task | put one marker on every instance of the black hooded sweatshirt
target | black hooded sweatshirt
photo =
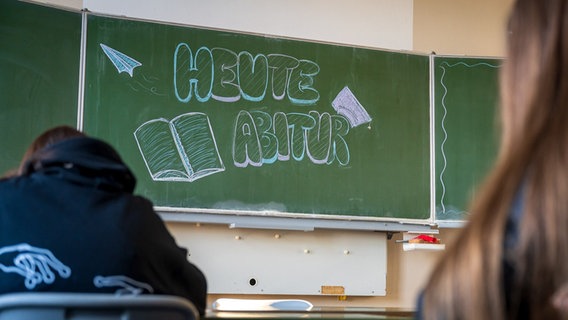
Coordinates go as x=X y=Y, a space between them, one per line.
x=70 y=223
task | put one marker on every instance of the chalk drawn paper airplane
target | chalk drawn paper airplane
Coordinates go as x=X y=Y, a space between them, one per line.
x=122 y=62
x=347 y=105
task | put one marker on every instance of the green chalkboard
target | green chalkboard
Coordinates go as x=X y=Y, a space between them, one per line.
x=466 y=137
x=39 y=74
x=220 y=120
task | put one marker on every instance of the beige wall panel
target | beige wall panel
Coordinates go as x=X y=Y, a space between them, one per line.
x=461 y=27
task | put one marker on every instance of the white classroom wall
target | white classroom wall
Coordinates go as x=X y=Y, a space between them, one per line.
x=373 y=23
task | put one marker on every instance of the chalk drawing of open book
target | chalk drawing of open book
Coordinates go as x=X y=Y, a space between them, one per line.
x=183 y=149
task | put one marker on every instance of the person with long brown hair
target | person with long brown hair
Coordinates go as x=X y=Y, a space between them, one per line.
x=512 y=256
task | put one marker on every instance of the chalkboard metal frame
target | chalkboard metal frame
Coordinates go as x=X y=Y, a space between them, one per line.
x=296 y=222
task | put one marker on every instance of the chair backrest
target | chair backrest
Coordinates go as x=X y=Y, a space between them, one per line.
x=94 y=306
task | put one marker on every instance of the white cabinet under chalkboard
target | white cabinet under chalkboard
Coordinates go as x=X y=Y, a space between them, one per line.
x=320 y=262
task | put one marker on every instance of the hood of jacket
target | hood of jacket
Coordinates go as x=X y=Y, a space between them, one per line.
x=92 y=160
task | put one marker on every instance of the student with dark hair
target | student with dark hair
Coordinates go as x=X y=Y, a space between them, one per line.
x=511 y=260
x=48 y=138
x=69 y=222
